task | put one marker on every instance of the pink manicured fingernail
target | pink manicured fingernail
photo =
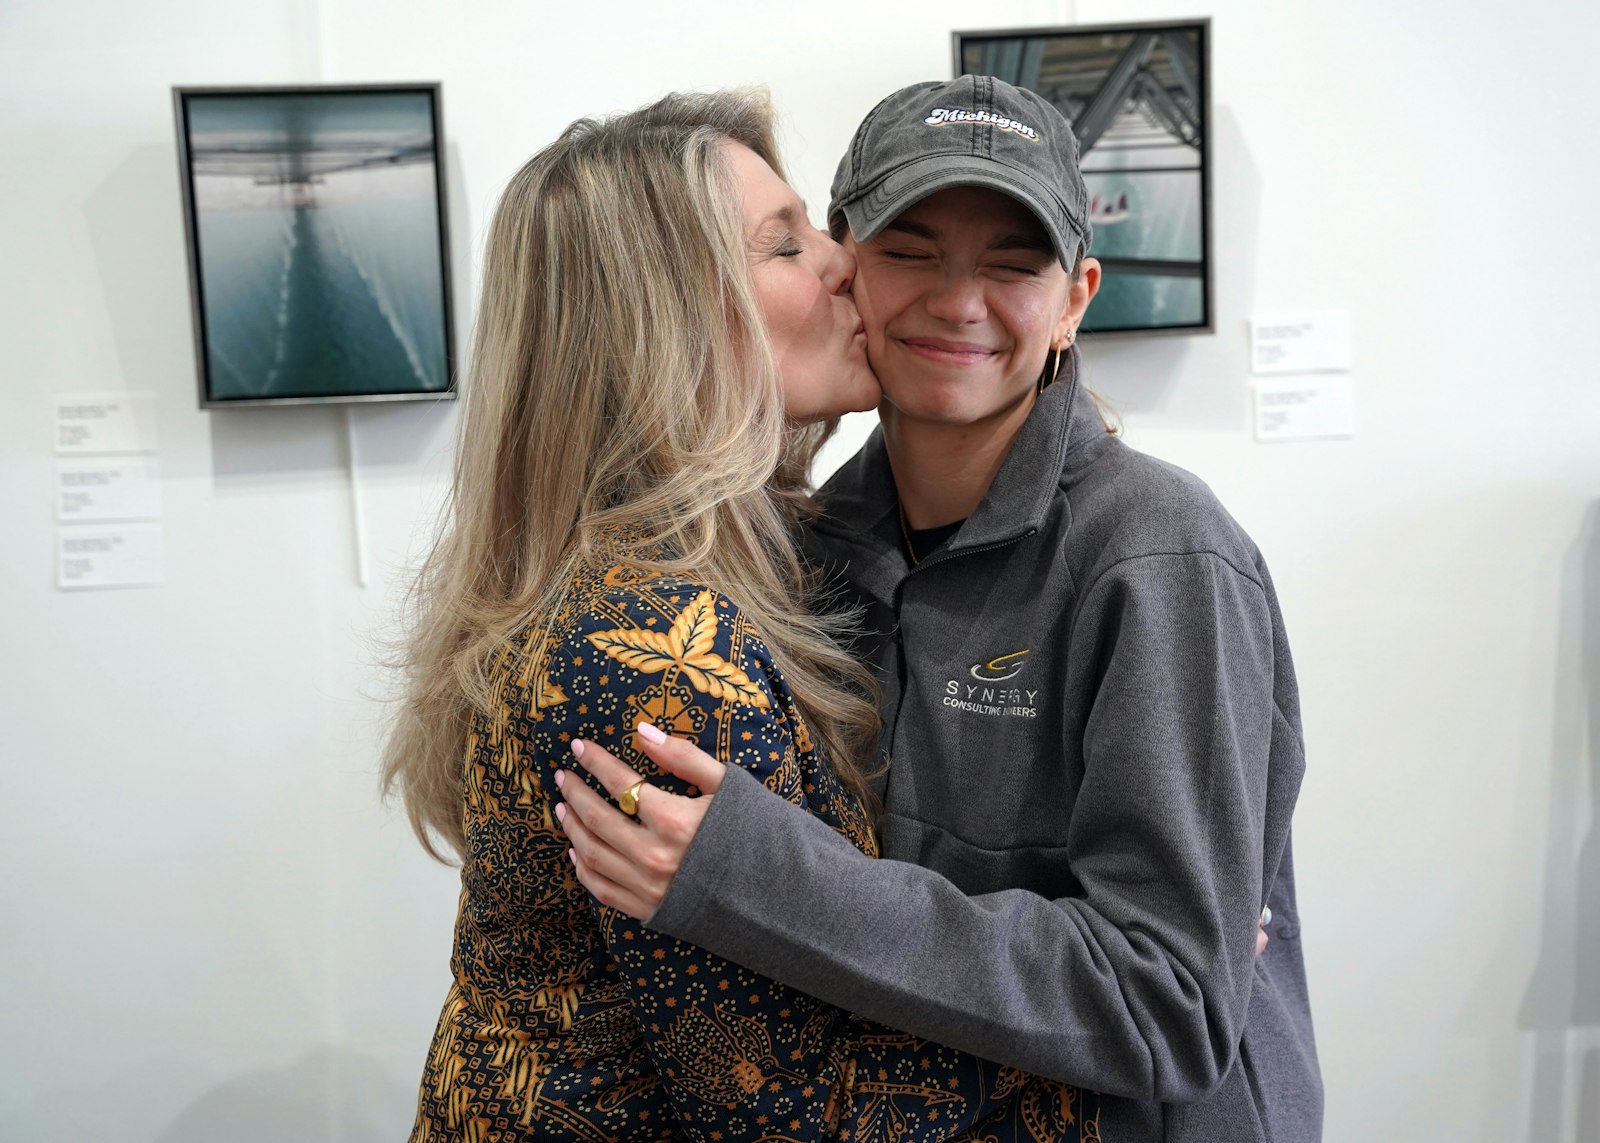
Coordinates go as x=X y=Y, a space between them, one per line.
x=650 y=733
x=572 y=856
x=561 y=813
x=577 y=748
x=561 y=776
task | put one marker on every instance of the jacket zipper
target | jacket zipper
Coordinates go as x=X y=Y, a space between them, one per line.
x=997 y=545
x=899 y=643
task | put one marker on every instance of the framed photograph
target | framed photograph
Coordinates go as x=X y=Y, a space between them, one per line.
x=1138 y=99
x=318 y=255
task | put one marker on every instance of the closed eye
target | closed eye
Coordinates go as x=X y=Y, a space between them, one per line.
x=784 y=244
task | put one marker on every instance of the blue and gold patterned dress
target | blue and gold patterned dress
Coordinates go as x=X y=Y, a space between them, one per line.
x=571 y=1021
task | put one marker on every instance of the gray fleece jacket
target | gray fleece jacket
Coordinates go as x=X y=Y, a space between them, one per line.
x=1095 y=749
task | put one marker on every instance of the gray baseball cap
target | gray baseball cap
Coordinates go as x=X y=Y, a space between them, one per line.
x=971 y=131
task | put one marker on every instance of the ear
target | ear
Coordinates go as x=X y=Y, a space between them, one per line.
x=1079 y=297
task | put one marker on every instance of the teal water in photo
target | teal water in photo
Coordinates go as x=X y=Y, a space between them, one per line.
x=1142 y=301
x=1162 y=222
x=324 y=300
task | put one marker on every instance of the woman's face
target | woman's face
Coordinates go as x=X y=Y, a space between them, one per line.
x=803 y=279
x=963 y=297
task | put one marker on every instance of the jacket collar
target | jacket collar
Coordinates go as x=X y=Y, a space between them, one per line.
x=861 y=506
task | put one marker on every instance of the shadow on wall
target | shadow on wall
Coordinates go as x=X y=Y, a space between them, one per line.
x=284 y=444
x=331 y=1094
x=1561 y=1006
x=134 y=221
x=1160 y=377
x=1589 y=1098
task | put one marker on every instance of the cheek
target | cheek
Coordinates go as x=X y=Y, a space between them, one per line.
x=871 y=304
x=1050 y=308
x=1030 y=320
x=798 y=315
x=819 y=324
x=870 y=296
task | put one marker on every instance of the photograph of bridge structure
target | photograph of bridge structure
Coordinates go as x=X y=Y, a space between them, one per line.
x=1136 y=96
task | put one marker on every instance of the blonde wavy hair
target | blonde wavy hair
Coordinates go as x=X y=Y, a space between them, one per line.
x=621 y=384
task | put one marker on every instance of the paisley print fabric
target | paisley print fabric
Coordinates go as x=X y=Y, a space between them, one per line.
x=570 y=1021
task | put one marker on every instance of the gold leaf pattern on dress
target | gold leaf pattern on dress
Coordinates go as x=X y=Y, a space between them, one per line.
x=645 y=651
x=695 y=629
x=569 y=1022
x=548 y=695
x=688 y=647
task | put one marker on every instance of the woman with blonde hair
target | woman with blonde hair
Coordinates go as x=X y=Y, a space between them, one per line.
x=662 y=344
x=1087 y=685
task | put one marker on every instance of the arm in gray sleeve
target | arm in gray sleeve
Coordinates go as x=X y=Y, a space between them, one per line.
x=1136 y=986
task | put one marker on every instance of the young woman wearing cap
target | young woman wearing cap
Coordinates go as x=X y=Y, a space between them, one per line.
x=662 y=336
x=1087 y=691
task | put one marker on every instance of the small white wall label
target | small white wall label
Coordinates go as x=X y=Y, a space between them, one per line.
x=107 y=488
x=1305 y=409
x=110 y=555
x=1317 y=342
x=105 y=422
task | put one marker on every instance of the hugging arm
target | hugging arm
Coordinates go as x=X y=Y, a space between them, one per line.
x=740 y=1056
x=1136 y=986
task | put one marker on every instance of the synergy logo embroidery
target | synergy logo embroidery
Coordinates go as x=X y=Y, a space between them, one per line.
x=944 y=116
x=994 y=701
x=1000 y=668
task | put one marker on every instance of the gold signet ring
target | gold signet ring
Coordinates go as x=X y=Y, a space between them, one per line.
x=628 y=800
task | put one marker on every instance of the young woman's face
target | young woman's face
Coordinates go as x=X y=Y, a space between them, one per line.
x=963 y=298
x=803 y=279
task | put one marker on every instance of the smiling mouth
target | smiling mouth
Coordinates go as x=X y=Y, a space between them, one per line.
x=948 y=352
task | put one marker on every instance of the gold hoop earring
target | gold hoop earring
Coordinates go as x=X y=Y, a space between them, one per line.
x=1052 y=367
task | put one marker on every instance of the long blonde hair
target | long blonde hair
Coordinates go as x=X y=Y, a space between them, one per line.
x=621 y=384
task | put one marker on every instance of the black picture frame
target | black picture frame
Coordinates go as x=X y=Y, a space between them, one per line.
x=1139 y=99
x=318 y=243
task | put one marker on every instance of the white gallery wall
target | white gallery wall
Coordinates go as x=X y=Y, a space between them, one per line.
x=210 y=929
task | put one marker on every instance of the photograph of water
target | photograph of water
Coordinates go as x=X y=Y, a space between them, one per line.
x=315 y=225
x=1136 y=100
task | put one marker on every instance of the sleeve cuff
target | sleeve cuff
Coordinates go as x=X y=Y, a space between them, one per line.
x=715 y=850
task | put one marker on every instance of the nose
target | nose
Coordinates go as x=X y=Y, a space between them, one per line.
x=839 y=270
x=957 y=299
